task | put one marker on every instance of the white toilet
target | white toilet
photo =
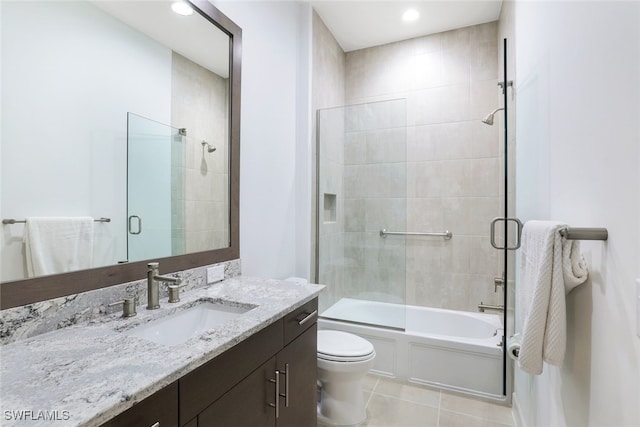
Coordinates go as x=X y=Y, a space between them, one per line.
x=343 y=359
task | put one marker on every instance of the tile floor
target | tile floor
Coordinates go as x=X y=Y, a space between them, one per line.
x=391 y=404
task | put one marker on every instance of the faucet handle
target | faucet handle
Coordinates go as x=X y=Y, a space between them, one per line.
x=174 y=291
x=128 y=306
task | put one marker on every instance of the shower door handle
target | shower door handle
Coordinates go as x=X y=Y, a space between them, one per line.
x=131 y=224
x=518 y=234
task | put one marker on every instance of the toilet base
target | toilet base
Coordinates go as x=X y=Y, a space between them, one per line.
x=342 y=404
x=324 y=421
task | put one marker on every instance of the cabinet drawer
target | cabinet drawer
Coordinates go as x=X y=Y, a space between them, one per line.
x=159 y=409
x=300 y=320
x=206 y=384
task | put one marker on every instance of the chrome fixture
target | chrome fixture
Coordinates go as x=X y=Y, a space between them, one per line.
x=210 y=148
x=182 y=131
x=571 y=233
x=128 y=307
x=174 y=293
x=520 y=226
x=489 y=119
x=23 y=221
x=445 y=234
x=509 y=84
x=498 y=282
x=130 y=222
x=482 y=307
x=153 y=279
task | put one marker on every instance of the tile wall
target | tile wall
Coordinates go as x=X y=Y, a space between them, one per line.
x=328 y=91
x=451 y=179
x=206 y=187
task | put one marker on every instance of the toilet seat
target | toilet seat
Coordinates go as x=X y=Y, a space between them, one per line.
x=338 y=346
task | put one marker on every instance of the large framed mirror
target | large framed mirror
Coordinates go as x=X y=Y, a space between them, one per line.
x=127 y=113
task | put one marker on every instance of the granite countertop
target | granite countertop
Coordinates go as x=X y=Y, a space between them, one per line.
x=86 y=374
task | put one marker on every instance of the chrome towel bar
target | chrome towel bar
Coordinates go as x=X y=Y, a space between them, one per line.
x=446 y=234
x=18 y=221
x=573 y=233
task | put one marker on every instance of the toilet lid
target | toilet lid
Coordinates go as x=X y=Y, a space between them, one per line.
x=334 y=345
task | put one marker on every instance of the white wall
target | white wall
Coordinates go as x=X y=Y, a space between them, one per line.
x=70 y=74
x=274 y=180
x=578 y=139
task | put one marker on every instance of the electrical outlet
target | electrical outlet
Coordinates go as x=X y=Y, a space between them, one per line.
x=215 y=274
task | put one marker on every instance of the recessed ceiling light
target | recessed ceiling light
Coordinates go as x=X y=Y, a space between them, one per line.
x=410 y=15
x=181 y=8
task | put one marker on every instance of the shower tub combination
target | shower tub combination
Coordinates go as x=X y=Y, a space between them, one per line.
x=449 y=349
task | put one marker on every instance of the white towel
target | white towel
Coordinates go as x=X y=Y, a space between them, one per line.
x=549 y=269
x=58 y=244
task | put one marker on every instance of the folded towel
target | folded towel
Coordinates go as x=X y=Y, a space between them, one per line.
x=57 y=245
x=549 y=269
x=574 y=266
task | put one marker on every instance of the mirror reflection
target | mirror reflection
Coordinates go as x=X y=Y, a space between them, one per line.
x=114 y=110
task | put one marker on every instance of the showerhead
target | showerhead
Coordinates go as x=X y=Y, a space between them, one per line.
x=210 y=148
x=489 y=119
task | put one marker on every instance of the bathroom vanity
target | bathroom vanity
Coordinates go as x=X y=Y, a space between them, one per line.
x=241 y=386
x=257 y=369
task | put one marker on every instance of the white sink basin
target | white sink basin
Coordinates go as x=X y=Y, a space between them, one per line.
x=179 y=327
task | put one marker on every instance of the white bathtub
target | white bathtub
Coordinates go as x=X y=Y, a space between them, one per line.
x=449 y=349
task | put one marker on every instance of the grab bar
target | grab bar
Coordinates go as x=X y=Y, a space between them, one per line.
x=572 y=233
x=482 y=307
x=23 y=221
x=447 y=235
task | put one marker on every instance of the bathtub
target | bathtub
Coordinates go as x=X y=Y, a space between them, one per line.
x=448 y=349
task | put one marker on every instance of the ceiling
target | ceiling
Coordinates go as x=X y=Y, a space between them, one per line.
x=361 y=24
x=191 y=36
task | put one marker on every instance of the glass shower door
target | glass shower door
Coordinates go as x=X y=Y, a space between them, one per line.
x=155 y=189
x=361 y=190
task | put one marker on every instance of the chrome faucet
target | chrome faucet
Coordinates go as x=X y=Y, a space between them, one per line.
x=153 y=284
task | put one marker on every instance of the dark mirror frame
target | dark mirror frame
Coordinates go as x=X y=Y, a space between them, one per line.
x=27 y=291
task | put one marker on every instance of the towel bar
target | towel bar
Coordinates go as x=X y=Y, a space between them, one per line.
x=17 y=221
x=572 y=233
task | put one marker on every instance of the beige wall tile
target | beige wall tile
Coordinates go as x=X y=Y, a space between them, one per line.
x=452 y=173
x=421 y=143
x=383 y=213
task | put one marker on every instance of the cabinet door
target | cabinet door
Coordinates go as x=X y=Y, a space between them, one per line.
x=299 y=360
x=206 y=384
x=159 y=409
x=247 y=404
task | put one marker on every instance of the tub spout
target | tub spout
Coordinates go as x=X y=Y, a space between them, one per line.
x=482 y=307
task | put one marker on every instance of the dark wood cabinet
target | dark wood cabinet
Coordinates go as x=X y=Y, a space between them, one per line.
x=206 y=384
x=159 y=409
x=298 y=360
x=238 y=387
x=246 y=404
